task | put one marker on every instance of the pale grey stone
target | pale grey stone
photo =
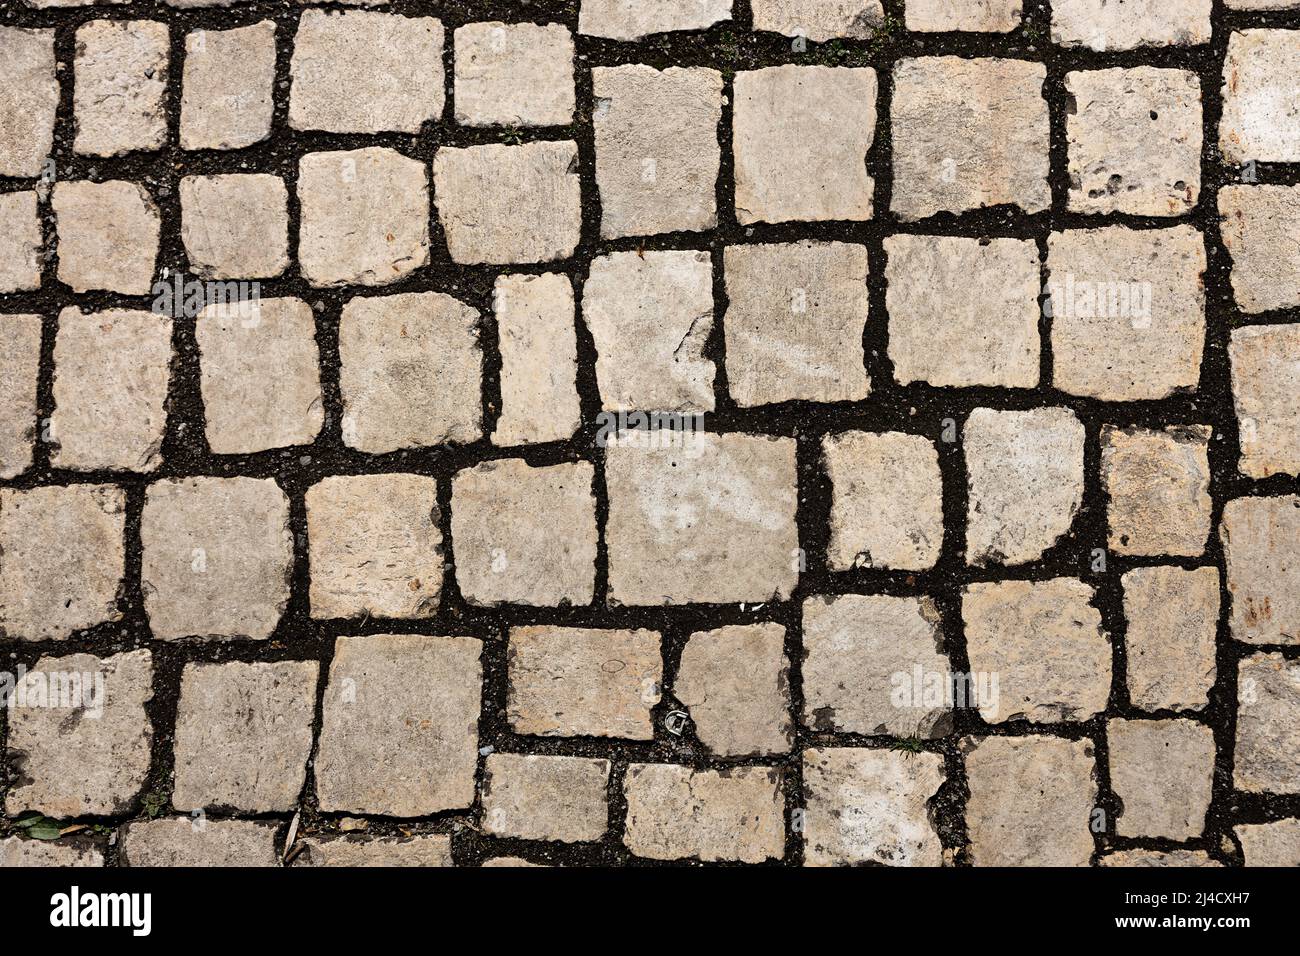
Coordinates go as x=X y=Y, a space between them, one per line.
x=1261 y=97
x=820 y=20
x=20 y=242
x=970 y=16
x=1158 y=489
x=226 y=87
x=17 y=852
x=1270 y=844
x=235 y=226
x=182 y=841
x=1157 y=858
x=1172 y=616
x=119 y=98
x=29 y=98
x=20 y=355
x=108 y=236
x=634 y=19
x=514 y=74
x=432 y=850
x=1265 y=383
x=1261 y=545
x=1266 y=758
x=1104 y=25
x=1257 y=221
x=532 y=797
x=1163 y=772
x=538 y=342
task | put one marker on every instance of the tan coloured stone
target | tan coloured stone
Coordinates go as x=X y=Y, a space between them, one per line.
x=1103 y=25
x=819 y=20
x=1157 y=858
x=634 y=19
x=29 y=98
x=1261 y=545
x=1158 y=483
x=1173 y=616
x=538 y=342
x=545 y=798
x=226 y=88
x=20 y=355
x=511 y=862
x=514 y=74
x=1163 y=772
x=20 y=242
x=734 y=683
x=108 y=236
x=1270 y=844
x=971 y=16
x=1265 y=383
x=181 y=841
x=1261 y=97
x=1257 y=221
x=1266 y=758
x=235 y=227
x=433 y=850
x=119 y=97
x=17 y=852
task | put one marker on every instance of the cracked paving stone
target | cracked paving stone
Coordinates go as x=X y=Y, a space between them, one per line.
x=120 y=88
x=432 y=850
x=108 y=236
x=20 y=354
x=1102 y=25
x=1158 y=483
x=29 y=98
x=1270 y=844
x=1265 y=382
x=1266 y=758
x=236 y=226
x=819 y=20
x=182 y=841
x=1172 y=616
x=227 y=87
x=635 y=19
x=20 y=242
x=1261 y=546
x=514 y=74
x=1163 y=772
x=534 y=797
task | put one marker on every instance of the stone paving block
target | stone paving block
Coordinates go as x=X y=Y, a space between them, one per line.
x=969 y=16
x=18 y=852
x=545 y=798
x=181 y=841
x=870 y=807
x=119 y=428
x=867 y=663
x=1270 y=844
x=963 y=311
x=1266 y=758
x=365 y=216
x=819 y=20
x=1261 y=545
x=514 y=74
x=399 y=736
x=1163 y=772
x=108 y=236
x=634 y=19
x=969 y=133
x=1172 y=616
x=1261 y=97
x=502 y=204
x=1101 y=25
x=1044 y=641
x=84 y=748
x=711 y=521
x=227 y=86
x=357 y=71
x=1128 y=311
x=218 y=555
x=20 y=354
x=48 y=593
x=511 y=862
x=411 y=371
x=650 y=315
x=676 y=813
x=244 y=734
x=20 y=242
x=29 y=98
x=375 y=546
x=1265 y=382
x=433 y=850
x=1256 y=222
x=801 y=136
x=576 y=682
x=737 y=711
x=120 y=89
x=524 y=535
x=1158 y=483
x=1031 y=801
x=235 y=227
x=1152 y=858
x=538 y=342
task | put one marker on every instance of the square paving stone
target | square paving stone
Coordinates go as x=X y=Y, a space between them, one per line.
x=545 y=798
x=1261 y=545
x=108 y=236
x=1257 y=221
x=969 y=16
x=1261 y=97
x=235 y=227
x=632 y=19
x=1163 y=772
x=1158 y=484
x=539 y=359
x=423 y=851
x=29 y=98
x=20 y=356
x=120 y=89
x=183 y=841
x=227 y=87
x=818 y=20
x=514 y=74
x=1266 y=758
x=1265 y=383
x=1270 y=844
x=20 y=242
x=1102 y=25
x=1173 y=616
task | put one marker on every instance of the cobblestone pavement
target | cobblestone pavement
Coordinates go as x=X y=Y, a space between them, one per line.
x=802 y=432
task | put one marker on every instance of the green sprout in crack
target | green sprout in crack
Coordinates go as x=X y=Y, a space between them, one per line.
x=154 y=804
x=890 y=29
x=511 y=136
x=908 y=746
x=39 y=827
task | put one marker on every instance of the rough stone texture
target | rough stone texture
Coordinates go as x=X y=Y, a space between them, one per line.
x=575 y=682
x=1261 y=97
x=1162 y=771
x=650 y=315
x=1261 y=545
x=634 y=19
x=969 y=133
x=218 y=554
x=1025 y=476
x=20 y=242
x=1158 y=483
x=433 y=850
x=376 y=550
x=226 y=87
x=511 y=862
x=713 y=521
x=1128 y=311
x=886 y=501
x=20 y=353
x=365 y=216
x=1045 y=642
x=357 y=71
x=72 y=763
x=1266 y=758
x=524 y=535
x=963 y=311
x=1265 y=383
x=108 y=236
x=182 y=841
x=539 y=359
x=517 y=74
x=1270 y=844
x=119 y=428
x=243 y=735
x=675 y=813
x=870 y=807
x=411 y=369
x=1257 y=221
x=17 y=852
x=801 y=136
x=1157 y=858
x=1031 y=800
x=119 y=97
x=867 y=662
x=1172 y=618
x=970 y=16
x=545 y=798
x=29 y=98
x=1134 y=141
x=819 y=20
x=235 y=227
x=399 y=736
x=260 y=375
x=737 y=711
x=1103 y=25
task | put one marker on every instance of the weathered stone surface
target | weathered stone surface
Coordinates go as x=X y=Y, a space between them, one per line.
x=243 y=735
x=260 y=375
x=969 y=133
x=819 y=20
x=118 y=428
x=17 y=852
x=575 y=682
x=870 y=807
x=1270 y=844
x=1153 y=858
x=675 y=813
x=235 y=227
x=181 y=841
x=545 y=798
x=634 y=19
x=1158 y=483
x=357 y=71
x=29 y=98
x=1265 y=383
x=108 y=236
x=1162 y=771
x=1261 y=97
x=1128 y=311
x=226 y=88
x=650 y=315
x=516 y=74
x=712 y=521
x=375 y=546
x=86 y=751
x=365 y=216
x=411 y=370
x=657 y=153
x=1266 y=758
x=795 y=321
x=1031 y=800
x=399 y=736
x=119 y=97
x=1261 y=544
x=971 y=16
x=1025 y=475
x=20 y=355
x=218 y=554
x=1134 y=141
x=20 y=242
x=1172 y=617
x=737 y=711
x=963 y=311
x=801 y=136
x=1257 y=221
x=503 y=204
x=867 y=662
x=1043 y=640
x=511 y=862
x=1102 y=25
x=424 y=851
x=539 y=359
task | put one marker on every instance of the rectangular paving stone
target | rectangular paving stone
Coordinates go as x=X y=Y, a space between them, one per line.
x=1158 y=484
x=820 y=20
x=970 y=16
x=20 y=242
x=432 y=850
x=227 y=87
x=108 y=236
x=532 y=797
x=182 y=841
x=1261 y=94
x=1261 y=545
x=514 y=74
x=119 y=97
x=1100 y=25
x=29 y=98
x=19 y=852
x=20 y=354
x=1162 y=771
x=235 y=226
x=1265 y=381
x=1256 y=222
x=1270 y=844
x=1172 y=616
x=634 y=19
x=1266 y=756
